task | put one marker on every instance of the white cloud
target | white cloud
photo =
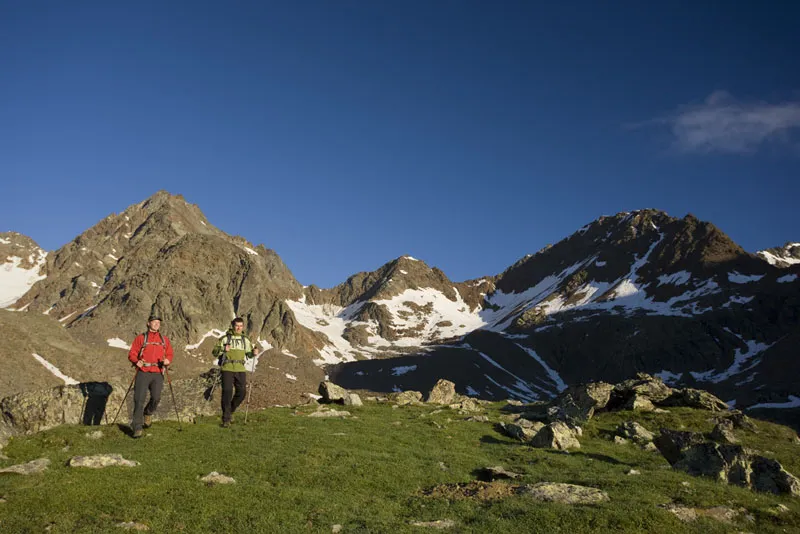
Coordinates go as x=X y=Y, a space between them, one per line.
x=724 y=124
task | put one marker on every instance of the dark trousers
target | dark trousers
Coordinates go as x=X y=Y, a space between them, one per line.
x=231 y=400
x=145 y=382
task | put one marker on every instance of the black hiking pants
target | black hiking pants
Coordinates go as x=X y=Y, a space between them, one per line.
x=145 y=382
x=231 y=400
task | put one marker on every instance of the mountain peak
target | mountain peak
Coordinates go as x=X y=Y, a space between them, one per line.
x=788 y=254
x=23 y=262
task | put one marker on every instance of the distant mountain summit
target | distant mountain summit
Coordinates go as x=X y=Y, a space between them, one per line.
x=788 y=254
x=163 y=256
x=22 y=263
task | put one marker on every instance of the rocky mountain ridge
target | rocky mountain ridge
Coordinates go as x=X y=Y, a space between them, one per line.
x=638 y=291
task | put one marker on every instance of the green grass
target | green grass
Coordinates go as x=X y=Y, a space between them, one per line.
x=368 y=474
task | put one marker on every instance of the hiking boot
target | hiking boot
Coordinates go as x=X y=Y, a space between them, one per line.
x=148 y=420
x=138 y=433
x=226 y=424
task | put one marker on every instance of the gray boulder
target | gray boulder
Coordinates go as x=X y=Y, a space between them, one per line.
x=6 y=431
x=443 y=392
x=497 y=472
x=652 y=388
x=331 y=392
x=672 y=443
x=30 y=468
x=563 y=493
x=555 y=436
x=732 y=464
x=639 y=403
x=330 y=413
x=99 y=461
x=534 y=426
x=439 y=524
x=769 y=476
x=467 y=404
x=403 y=398
x=519 y=432
x=587 y=397
x=217 y=478
x=741 y=421
x=635 y=432
x=723 y=432
x=694 y=398
x=132 y=525
x=568 y=410
x=352 y=399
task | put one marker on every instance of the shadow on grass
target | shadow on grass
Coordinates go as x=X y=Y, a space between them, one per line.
x=489 y=439
x=485 y=474
x=593 y=456
x=125 y=429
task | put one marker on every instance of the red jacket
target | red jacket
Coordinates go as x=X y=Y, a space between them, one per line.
x=157 y=349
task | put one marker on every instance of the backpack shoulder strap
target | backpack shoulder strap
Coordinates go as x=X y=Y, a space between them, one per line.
x=144 y=344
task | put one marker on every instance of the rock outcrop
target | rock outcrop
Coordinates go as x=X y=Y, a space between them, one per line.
x=95 y=403
x=734 y=464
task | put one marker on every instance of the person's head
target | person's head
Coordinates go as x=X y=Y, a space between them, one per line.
x=154 y=322
x=237 y=325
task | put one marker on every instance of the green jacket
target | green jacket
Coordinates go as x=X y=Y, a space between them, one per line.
x=241 y=348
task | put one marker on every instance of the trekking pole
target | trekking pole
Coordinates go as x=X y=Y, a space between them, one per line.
x=222 y=359
x=174 y=404
x=216 y=379
x=136 y=372
x=249 y=389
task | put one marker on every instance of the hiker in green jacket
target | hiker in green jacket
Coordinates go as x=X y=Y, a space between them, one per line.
x=233 y=349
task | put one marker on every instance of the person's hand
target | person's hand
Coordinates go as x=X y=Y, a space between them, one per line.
x=139 y=364
x=227 y=348
x=166 y=363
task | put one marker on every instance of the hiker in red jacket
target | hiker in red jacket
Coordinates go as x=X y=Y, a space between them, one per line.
x=151 y=352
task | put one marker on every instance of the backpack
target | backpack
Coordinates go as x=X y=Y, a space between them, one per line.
x=224 y=356
x=145 y=343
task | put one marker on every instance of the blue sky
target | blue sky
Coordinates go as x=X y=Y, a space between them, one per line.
x=344 y=134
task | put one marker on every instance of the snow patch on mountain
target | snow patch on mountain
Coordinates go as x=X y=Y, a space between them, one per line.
x=743 y=360
x=403 y=369
x=214 y=332
x=505 y=307
x=555 y=378
x=118 y=343
x=677 y=279
x=329 y=320
x=793 y=402
x=784 y=257
x=737 y=300
x=53 y=369
x=16 y=280
x=668 y=377
x=430 y=326
x=737 y=278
